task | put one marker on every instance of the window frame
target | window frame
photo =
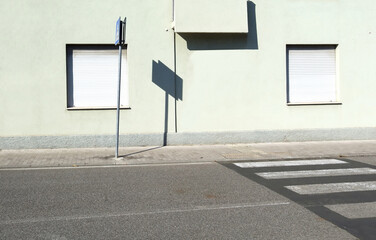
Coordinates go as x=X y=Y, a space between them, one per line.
x=69 y=78
x=313 y=46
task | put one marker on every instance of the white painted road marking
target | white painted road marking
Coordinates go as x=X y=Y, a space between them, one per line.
x=121 y=165
x=128 y=214
x=333 y=187
x=289 y=163
x=355 y=210
x=317 y=173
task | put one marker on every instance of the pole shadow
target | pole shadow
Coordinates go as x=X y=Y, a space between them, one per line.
x=171 y=84
x=142 y=151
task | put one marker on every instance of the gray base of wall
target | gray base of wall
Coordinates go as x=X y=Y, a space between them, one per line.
x=92 y=141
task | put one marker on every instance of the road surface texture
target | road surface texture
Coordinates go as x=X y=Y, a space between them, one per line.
x=342 y=191
x=180 y=201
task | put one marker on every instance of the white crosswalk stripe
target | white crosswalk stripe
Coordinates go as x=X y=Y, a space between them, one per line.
x=317 y=173
x=355 y=210
x=333 y=187
x=289 y=163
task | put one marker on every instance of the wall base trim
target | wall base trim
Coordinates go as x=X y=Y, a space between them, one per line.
x=155 y=139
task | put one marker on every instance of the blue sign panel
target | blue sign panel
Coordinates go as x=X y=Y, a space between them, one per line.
x=118 y=32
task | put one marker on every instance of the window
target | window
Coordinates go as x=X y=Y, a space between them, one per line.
x=311 y=74
x=92 y=74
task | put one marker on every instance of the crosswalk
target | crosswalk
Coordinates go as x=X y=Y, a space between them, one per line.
x=333 y=187
x=355 y=210
x=341 y=191
x=317 y=173
x=288 y=163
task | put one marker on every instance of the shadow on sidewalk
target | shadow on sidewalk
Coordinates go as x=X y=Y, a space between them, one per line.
x=146 y=150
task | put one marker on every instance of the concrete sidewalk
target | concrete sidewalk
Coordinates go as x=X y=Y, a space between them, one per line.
x=184 y=154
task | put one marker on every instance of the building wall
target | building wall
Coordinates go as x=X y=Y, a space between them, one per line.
x=233 y=85
x=245 y=89
x=33 y=66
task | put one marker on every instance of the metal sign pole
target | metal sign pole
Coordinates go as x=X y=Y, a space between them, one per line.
x=119 y=39
x=118 y=106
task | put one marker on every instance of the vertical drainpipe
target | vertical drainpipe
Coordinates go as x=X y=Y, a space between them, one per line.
x=175 y=81
x=173 y=10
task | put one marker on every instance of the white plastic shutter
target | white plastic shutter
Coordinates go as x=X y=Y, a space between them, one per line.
x=95 y=78
x=312 y=74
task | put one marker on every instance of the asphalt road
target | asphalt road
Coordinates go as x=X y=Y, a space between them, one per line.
x=193 y=201
x=342 y=191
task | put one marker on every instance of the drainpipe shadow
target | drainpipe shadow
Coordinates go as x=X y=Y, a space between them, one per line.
x=171 y=84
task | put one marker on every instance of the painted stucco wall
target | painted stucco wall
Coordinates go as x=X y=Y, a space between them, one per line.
x=245 y=88
x=33 y=64
x=229 y=82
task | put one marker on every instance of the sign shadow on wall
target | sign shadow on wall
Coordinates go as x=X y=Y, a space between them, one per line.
x=226 y=41
x=172 y=85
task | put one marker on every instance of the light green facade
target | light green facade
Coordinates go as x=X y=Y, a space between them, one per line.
x=229 y=87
